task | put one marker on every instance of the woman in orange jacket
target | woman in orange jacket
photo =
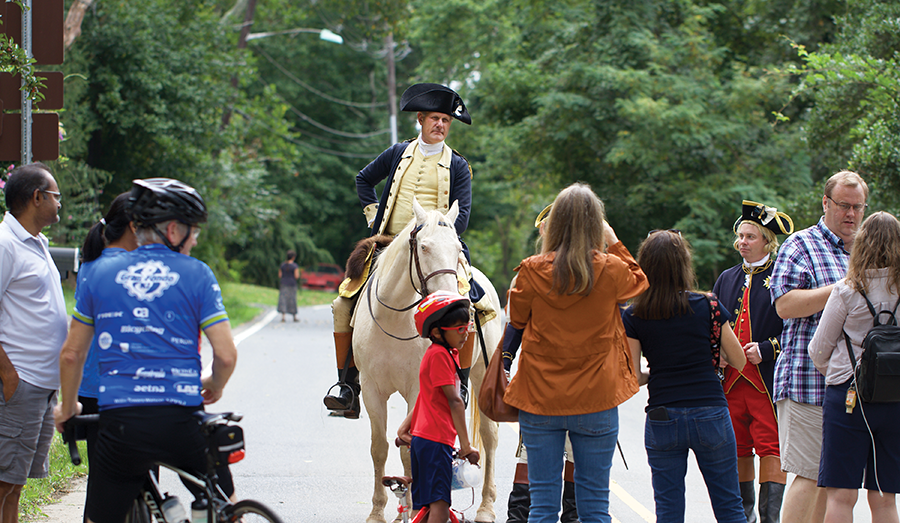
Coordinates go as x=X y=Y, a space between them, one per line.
x=575 y=367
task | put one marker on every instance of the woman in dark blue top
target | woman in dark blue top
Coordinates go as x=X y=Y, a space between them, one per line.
x=687 y=410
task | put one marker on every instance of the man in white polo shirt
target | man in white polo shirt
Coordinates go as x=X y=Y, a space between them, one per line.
x=32 y=331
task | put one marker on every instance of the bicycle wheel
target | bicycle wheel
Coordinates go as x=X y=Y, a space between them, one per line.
x=250 y=511
x=139 y=513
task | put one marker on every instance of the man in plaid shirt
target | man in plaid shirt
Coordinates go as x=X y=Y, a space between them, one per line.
x=808 y=265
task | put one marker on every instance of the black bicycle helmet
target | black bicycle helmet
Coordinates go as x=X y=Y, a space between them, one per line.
x=157 y=200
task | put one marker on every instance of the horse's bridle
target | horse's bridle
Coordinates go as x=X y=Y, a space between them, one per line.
x=422 y=290
x=414 y=255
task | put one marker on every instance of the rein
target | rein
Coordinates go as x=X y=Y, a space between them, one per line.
x=422 y=289
x=414 y=255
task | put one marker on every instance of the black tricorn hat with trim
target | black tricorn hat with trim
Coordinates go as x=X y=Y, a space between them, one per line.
x=769 y=217
x=435 y=98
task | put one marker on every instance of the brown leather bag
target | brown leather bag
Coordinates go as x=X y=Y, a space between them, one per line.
x=490 y=397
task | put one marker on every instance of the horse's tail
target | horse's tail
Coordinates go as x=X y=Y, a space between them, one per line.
x=475 y=423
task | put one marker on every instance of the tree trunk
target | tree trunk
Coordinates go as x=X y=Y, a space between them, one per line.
x=73 y=21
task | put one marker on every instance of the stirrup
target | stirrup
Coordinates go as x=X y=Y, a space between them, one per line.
x=336 y=402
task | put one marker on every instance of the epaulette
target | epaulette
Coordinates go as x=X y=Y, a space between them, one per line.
x=469 y=165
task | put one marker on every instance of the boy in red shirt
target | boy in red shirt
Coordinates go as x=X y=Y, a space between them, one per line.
x=440 y=413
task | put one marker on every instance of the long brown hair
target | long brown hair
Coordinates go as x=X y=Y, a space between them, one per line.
x=574 y=231
x=665 y=257
x=876 y=246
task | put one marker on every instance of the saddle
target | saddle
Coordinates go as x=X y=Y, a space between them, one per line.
x=359 y=266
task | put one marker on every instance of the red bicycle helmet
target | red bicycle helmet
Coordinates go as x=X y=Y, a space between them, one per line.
x=434 y=307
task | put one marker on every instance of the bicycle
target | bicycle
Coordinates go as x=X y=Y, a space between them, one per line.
x=166 y=508
x=399 y=485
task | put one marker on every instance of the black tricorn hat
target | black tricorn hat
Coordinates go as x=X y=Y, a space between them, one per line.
x=769 y=217
x=435 y=98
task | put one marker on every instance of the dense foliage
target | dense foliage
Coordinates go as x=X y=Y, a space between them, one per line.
x=673 y=110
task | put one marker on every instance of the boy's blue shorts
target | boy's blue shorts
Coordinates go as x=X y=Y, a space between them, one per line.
x=432 y=468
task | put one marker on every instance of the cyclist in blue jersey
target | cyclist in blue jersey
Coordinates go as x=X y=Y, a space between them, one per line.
x=145 y=308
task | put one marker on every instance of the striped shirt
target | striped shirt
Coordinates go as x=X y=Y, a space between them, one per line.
x=812 y=258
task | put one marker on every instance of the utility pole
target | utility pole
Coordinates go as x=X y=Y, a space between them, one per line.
x=26 y=100
x=392 y=85
x=242 y=44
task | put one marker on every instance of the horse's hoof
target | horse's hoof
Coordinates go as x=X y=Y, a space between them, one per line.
x=485 y=516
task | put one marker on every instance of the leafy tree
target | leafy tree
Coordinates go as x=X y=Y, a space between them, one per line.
x=335 y=100
x=669 y=123
x=854 y=83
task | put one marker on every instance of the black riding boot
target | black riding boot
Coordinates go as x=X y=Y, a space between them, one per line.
x=519 y=504
x=346 y=396
x=748 y=500
x=569 y=510
x=770 y=497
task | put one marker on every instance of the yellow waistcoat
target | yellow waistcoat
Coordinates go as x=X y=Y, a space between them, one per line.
x=406 y=161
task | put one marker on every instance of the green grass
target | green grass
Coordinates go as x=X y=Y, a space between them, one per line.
x=38 y=492
x=243 y=303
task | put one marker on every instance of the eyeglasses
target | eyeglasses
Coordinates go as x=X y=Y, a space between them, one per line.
x=462 y=329
x=846 y=206
x=195 y=231
x=673 y=231
x=56 y=195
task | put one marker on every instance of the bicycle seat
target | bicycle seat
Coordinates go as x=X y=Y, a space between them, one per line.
x=390 y=481
x=206 y=418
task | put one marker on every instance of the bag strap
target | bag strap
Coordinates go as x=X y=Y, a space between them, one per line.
x=484 y=355
x=458 y=370
x=850 y=351
x=875 y=322
x=875 y=315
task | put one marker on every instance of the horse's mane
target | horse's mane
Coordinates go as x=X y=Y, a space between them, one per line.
x=400 y=245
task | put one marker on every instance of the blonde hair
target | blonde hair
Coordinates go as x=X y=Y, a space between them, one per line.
x=847 y=179
x=574 y=231
x=771 y=240
x=876 y=246
x=665 y=257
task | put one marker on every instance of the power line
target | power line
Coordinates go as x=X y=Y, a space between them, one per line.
x=335 y=131
x=308 y=119
x=332 y=152
x=313 y=89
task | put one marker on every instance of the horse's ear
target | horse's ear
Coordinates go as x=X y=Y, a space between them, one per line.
x=419 y=211
x=453 y=213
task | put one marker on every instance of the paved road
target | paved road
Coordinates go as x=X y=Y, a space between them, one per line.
x=311 y=467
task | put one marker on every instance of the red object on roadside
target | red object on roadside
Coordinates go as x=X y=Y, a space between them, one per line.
x=324 y=276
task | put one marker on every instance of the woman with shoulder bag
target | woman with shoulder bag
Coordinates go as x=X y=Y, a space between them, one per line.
x=574 y=367
x=859 y=439
x=675 y=328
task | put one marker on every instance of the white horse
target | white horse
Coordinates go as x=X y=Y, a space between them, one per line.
x=422 y=259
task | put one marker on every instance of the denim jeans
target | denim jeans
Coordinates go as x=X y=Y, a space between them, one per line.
x=708 y=432
x=593 y=439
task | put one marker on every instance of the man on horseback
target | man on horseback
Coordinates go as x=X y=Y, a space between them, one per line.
x=425 y=169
